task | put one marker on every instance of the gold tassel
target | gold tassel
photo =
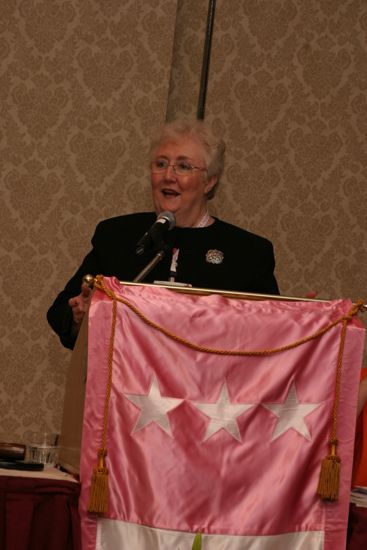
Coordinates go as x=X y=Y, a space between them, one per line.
x=328 y=487
x=98 y=497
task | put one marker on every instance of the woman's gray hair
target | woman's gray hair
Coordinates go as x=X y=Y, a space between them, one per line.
x=214 y=147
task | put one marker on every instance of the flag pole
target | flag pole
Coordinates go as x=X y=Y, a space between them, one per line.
x=233 y=294
x=89 y=280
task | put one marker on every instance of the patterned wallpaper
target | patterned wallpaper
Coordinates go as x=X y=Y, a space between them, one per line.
x=85 y=83
x=289 y=90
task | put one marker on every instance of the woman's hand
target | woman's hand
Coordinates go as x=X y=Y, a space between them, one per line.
x=79 y=305
x=312 y=294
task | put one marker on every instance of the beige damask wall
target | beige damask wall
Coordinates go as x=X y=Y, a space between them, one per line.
x=84 y=84
x=287 y=89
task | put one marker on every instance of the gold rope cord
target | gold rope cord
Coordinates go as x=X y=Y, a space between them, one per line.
x=328 y=486
x=330 y=469
x=99 y=283
x=99 y=491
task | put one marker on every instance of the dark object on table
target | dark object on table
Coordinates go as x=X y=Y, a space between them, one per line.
x=12 y=451
x=21 y=465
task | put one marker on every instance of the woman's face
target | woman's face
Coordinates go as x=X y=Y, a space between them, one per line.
x=183 y=195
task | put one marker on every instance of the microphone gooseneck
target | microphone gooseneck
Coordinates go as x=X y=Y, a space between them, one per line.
x=154 y=236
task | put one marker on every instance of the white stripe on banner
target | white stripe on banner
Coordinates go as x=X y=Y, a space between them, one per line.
x=120 y=535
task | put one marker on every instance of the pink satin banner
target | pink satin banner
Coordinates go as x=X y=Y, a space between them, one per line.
x=218 y=444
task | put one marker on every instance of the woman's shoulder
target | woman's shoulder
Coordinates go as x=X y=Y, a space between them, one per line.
x=229 y=230
x=126 y=221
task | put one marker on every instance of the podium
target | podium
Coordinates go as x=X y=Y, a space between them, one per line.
x=72 y=419
x=213 y=412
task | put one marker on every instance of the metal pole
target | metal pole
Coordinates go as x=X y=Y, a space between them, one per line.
x=147 y=269
x=233 y=294
x=206 y=60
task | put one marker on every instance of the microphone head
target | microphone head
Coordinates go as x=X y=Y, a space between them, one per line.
x=169 y=217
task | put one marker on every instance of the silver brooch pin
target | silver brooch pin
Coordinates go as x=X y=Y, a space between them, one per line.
x=214 y=256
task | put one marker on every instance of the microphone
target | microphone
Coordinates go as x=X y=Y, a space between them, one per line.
x=154 y=236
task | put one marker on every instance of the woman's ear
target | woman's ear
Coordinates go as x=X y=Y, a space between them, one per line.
x=210 y=184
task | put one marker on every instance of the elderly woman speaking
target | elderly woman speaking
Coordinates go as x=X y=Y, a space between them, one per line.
x=186 y=165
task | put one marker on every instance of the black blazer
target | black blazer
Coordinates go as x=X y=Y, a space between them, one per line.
x=247 y=261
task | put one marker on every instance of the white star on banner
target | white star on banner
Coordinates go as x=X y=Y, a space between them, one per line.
x=153 y=408
x=291 y=414
x=223 y=414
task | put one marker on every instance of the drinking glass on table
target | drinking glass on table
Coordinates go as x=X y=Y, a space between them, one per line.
x=43 y=448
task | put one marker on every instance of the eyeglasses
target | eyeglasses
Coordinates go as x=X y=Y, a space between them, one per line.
x=181 y=168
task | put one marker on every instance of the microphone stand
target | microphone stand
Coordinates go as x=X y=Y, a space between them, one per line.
x=162 y=248
x=148 y=268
